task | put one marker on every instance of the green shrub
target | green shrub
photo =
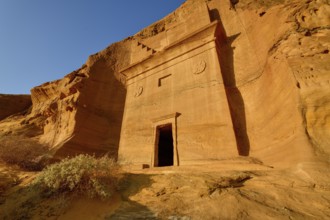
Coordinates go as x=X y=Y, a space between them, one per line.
x=83 y=174
x=24 y=152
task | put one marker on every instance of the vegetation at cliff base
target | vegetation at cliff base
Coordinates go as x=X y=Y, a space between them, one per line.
x=83 y=174
x=24 y=152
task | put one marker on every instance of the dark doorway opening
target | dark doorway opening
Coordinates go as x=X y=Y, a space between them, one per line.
x=165 y=146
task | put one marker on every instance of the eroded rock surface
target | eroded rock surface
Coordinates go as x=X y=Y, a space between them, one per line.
x=12 y=104
x=274 y=61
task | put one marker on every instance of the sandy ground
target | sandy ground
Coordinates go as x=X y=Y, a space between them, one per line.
x=241 y=188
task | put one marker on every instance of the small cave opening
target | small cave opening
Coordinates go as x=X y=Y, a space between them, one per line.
x=308 y=34
x=325 y=51
x=234 y=2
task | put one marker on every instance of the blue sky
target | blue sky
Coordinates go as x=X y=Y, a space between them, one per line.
x=43 y=40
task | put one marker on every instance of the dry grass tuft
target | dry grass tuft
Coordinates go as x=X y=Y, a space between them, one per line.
x=28 y=154
x=228 y=182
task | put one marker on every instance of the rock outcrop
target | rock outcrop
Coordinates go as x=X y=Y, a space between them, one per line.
x=83 y=111
x=13 y=104
x=274 y=60
x=278 y=53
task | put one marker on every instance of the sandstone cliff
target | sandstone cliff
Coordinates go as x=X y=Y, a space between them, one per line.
x=279 y=60
x=13 y=104
x=274 y=60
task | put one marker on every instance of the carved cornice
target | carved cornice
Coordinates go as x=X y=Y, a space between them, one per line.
x=165 y=117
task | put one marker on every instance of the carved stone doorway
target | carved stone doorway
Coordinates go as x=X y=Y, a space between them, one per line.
x=165 y=146
x=165 y=149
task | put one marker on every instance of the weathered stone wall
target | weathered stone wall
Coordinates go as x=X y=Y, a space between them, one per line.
x=100 y=105
x=264 y=46
x=83 y=111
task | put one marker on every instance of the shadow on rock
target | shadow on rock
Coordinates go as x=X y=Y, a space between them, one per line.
x=130 y=185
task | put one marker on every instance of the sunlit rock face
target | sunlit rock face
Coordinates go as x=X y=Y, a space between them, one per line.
x=232 y=78
x=278 y=52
